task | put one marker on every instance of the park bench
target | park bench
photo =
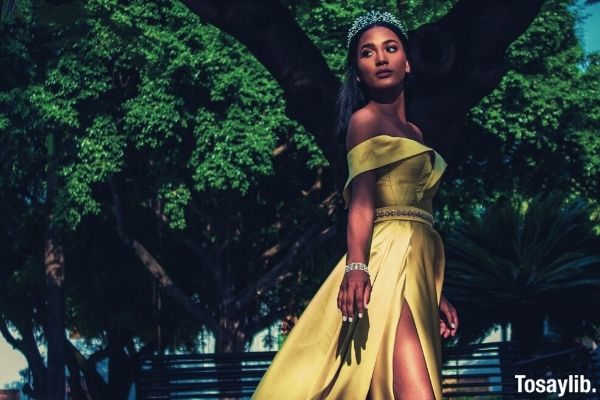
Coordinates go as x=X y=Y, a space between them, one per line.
x=476 y=371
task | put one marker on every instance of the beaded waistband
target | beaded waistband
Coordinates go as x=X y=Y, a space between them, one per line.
x=403 y=212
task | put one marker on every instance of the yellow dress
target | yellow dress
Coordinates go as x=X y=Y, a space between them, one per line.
x=324 y=357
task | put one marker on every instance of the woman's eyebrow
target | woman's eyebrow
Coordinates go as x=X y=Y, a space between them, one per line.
x=370 y=44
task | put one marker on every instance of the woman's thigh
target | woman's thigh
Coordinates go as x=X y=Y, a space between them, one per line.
x=411 y=379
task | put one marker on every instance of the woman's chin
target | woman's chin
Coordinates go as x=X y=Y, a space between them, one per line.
x=387 y=84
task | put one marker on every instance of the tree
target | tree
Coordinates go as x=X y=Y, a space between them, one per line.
x=538 y=130
x=179 y=163
x=517 y=263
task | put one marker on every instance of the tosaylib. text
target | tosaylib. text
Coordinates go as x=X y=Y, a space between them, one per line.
x=571 y=384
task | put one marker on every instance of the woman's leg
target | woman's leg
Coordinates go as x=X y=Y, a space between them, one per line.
x=411 y=379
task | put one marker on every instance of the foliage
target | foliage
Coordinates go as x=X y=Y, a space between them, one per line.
x=524 y=254
x=182 y=121
x=173 y=111
x=326 y=23
x=538 y=130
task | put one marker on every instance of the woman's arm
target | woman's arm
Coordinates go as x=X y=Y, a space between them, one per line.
x=361 y=213
x=356 y=286
x=361 y=209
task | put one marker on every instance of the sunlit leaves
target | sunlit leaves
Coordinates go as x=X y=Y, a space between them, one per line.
x=539 y=112
x=99 y=155
x=152 y=115
x=176 y=198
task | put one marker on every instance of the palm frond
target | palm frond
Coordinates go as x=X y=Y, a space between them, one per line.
x=521 y=252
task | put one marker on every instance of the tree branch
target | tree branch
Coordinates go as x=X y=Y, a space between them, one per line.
x=273 y=251
x=205 y=259
x=94 y=380
x=31 y=351
x=155 y=269
x=458 y=60
x=279 y=272
x=15 y=343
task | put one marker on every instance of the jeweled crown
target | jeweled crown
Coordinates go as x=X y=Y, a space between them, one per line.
x=371 y=17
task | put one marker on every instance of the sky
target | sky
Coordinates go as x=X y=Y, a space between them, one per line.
x=591 y=28
x=11 y=361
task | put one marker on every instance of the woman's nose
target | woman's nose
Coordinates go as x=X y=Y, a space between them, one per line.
x=381 y=58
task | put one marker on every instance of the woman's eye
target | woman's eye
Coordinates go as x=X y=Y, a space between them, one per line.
x=366 y=53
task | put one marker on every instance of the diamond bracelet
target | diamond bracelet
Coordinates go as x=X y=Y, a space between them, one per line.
x=355 y=265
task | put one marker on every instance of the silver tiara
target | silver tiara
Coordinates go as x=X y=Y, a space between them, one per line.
x=371 y=17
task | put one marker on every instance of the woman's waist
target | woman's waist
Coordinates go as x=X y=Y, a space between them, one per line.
x=401 y=212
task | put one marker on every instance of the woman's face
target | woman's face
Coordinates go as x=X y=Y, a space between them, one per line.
x=379 y=49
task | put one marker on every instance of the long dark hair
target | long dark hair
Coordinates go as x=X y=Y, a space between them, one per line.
x=352 y=94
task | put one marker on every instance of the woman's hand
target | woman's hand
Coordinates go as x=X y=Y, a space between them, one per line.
x=355 y=294
x=450 y=325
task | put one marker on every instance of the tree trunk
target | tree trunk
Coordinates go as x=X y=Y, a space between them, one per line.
x=528 y=331
x=230 y=338
x=120 y=366
x=28 y=347
x=34 y=361
x=96 y=387
x=77 y=392
x=54 y=264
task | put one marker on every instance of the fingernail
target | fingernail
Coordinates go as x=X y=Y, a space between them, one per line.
x=350 y=319
x=344 y=317
x=452 y=325
x=359 y=315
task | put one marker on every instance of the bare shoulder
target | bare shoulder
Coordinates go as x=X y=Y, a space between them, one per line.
x=417 y=130
x=362 y=126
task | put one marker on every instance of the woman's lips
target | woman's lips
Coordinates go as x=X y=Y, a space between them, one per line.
x=383 y=74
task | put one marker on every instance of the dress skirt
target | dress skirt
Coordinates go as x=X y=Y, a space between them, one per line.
x=324 y=357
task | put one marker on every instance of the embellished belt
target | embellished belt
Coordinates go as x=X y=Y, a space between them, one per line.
x=403 y=212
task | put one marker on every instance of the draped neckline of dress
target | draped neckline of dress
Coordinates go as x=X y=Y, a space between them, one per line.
x=383 y=149
x=393 y=137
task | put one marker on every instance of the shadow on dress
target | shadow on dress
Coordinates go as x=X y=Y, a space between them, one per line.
x=352 y=336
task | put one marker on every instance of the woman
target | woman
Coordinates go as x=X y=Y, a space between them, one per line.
x=395 y=261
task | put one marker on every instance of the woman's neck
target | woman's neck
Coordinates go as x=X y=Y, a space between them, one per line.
x=392 y=107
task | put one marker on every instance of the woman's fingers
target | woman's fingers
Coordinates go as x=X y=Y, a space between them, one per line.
x=444 y=331
x=351 y=302
x=344 y=290
x=347 y=300
x=354 y=296
x=359 y=300
x=363 y=298
x=362 y=292
x=367 y=295
x=448 y=313
x=342 y=298
x=453 y=319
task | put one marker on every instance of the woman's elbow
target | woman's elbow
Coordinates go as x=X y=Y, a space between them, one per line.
x=363 y=211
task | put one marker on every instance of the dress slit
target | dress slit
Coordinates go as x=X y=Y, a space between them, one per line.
x=419 y=345
x=415 y=284
x=419 y=270
x=422 y=300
